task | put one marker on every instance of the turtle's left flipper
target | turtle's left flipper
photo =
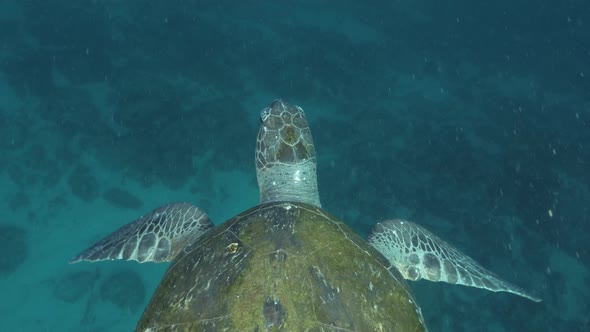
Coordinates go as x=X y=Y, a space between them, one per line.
x=419 y=254
x=155 y=237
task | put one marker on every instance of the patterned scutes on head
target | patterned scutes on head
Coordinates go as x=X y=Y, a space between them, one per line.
x=285 y=155
x=284 y=136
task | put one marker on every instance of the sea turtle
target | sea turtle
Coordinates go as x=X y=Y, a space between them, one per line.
x=286 y=264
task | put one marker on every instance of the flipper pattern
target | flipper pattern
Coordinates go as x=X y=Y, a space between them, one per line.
x=419 y=254
x=156 y=237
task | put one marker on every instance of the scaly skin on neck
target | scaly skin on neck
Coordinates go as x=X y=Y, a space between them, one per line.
x=285 y=156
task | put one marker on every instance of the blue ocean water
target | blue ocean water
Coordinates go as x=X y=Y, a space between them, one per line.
x=469 y=118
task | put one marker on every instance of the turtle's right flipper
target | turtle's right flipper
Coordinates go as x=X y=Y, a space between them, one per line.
x=156 y=237
x=419 y=254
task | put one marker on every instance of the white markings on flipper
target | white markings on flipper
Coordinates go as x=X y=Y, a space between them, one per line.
x=419 y=254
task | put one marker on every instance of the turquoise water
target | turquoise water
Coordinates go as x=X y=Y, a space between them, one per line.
x=470 y=118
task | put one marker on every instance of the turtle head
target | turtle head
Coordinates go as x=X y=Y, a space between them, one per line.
x=285 y=155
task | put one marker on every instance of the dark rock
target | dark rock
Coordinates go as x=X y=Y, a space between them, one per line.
x=16 y=174
x=125 y=289
x=18 y=200
x=35 y=158
x=15 y=131
x=122 y=199
x=83 y=184
x=57 y=203
x=51 y=175
x=73 y=286
x=13 y=245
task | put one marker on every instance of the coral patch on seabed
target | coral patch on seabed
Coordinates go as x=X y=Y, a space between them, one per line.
x=125 y=289
x=122 y=199
x=14 y=248
x=73 y=286
x=83 y=184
